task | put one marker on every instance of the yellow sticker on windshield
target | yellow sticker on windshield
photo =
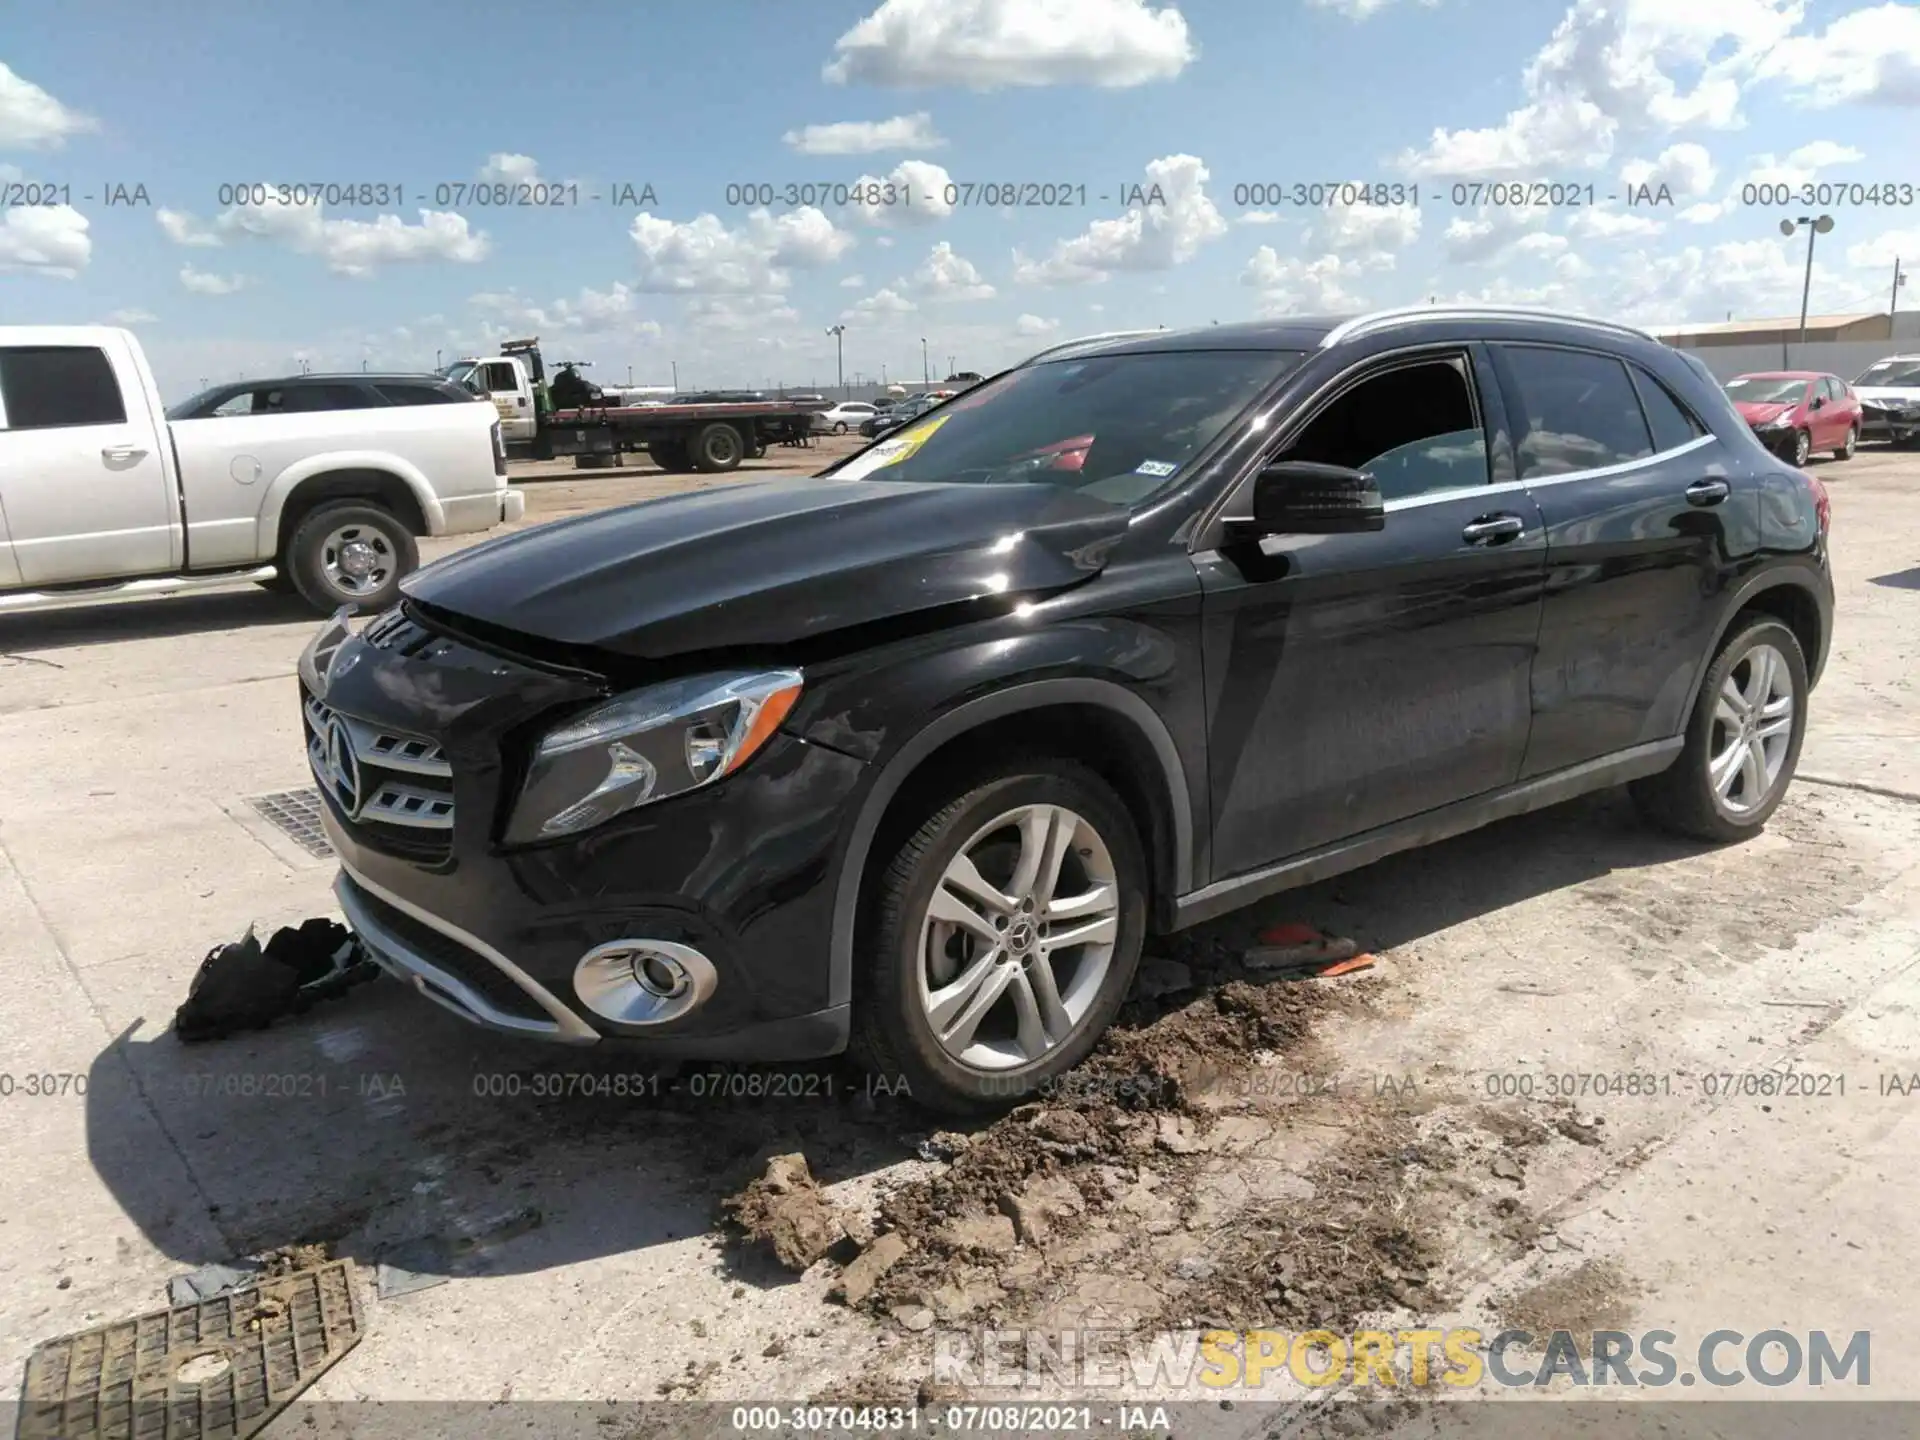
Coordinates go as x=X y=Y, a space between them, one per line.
x=891 y=452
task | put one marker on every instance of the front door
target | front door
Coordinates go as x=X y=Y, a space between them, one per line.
x=1645 y=521
x=85 y=492
x=1355 y=680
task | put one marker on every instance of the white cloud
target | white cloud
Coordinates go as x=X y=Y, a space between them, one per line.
x=131 y=317
x=183 y=229
x=944 y=275
x=1882 y=250
x=702 y=256
x=882 y=302
x=11 y=174
x=1155 y=236
x=48 y=239
x=1591 y=223
x=349 y=247
x=1361 y=9
x=991 y=44
x=854 y=282
x=1685 y=169
x=1748 y=277
x=1258 y=217
x=206 y=282
x=1493 y=231
x=867 y=137
x=1607 y=68
x=1370 y=233
x=1870 y=56
x=1300 y=286
x=31 y=119
x=504 y=166
x=919 y=190
x=1798 y=167
x=591 y=312
x=1034 y=327
x=740 y=314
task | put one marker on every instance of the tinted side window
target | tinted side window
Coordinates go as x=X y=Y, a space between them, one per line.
x=1673 y=424
x=415 y=395
x=324 y=397
x=51 y=385
x=1413 y=428
x=1578 y=409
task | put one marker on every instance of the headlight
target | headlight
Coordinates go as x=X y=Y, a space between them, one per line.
x=649 y=745
x=1775 y=423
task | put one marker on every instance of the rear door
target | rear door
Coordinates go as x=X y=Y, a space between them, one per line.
x=1360 y=679
x=82 y=482
x=1645 y=522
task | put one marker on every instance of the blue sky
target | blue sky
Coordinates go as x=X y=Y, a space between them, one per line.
x=1703 y=97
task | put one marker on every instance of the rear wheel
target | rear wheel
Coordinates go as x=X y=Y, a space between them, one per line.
x=350 y=552
x=1845 y=452
x=839 y=427
x=1743 y=740
x=1802 y=447
x=1004 y=935
x=718 y=447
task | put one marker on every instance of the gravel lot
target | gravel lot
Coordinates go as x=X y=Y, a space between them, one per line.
x=1389 y=1147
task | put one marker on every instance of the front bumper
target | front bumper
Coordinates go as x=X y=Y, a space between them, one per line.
x=740 y=874
x=1889 y=425
x=513 y=504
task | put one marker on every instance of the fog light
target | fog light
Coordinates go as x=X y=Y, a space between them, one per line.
x=643 y=982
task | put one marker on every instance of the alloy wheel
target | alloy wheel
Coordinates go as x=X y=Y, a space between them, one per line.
x=1752 y=730
x=1802 y=447
x=1017 y=938
x=1853 y=441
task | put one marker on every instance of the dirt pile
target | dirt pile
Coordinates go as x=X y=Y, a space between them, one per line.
x=784 y=1211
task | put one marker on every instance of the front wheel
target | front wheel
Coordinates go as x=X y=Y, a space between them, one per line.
x=1742 y=743
x=839 y=427
x=1003 y=936
x=1802 y=447
x=353 y=553
x=1845 y=452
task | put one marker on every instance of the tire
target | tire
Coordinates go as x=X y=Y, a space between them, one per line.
x=1683 y=798
x=839 y=427
x=335 y=538
x=893 y=1030
x=671 y=455
x=281 y=584
x=1845 y=452
x=716 y=448
x=1802 y=447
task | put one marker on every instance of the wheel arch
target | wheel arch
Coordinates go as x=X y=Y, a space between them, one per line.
x=298 y=495
x=1114 y=731
x=1790 y=594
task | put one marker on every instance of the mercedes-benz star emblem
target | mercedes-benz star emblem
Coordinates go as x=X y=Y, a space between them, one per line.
x=343 y=767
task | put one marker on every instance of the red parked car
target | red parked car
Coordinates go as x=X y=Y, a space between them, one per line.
x=1796 y=412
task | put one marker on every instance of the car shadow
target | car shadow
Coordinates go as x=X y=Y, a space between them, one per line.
x=152 y=618
x=380 y=1124
x=1899 y=579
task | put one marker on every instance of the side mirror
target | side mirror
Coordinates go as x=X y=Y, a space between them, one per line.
x=1302 y=497
x=1818 y=402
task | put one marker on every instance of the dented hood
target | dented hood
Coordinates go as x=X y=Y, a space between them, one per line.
x=773 y=562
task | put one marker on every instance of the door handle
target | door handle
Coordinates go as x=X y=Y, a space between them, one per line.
x=1707 y=492
x=121 y=452
x=1491 y=528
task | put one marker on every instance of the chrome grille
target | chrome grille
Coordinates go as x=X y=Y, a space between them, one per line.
x=378 y=777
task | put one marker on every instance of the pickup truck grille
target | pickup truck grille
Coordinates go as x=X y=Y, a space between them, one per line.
x=393 y=790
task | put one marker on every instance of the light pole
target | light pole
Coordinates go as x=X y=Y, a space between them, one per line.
x=1893 y=298
x=926 y=371
x=629 y=377
x=1815 y=228
x=839 y=333
x=436 y=359
x=676 y=375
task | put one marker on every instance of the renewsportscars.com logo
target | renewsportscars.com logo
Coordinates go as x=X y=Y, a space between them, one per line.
x=1461 y=1358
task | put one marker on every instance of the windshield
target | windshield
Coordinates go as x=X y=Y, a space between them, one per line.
x=1891 y=372
x=460 y=372
x=1766 y=390
x=1117 y=427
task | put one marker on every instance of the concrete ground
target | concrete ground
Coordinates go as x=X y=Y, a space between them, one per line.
x=1570 y=942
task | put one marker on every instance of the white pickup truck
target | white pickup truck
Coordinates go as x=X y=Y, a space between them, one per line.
x=101 y=495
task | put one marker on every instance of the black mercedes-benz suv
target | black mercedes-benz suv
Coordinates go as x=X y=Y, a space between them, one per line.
x=909 y=757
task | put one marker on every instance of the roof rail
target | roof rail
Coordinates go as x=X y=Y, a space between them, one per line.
x=1413 y=314
x=1083 y=340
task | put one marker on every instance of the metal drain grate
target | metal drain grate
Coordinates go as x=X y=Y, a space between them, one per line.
x=217 y=1370
x=296 y=813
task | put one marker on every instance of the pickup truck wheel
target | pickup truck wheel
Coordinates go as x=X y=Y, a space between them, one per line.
x=1003 y=937
x=350 y=553
x=718 y=447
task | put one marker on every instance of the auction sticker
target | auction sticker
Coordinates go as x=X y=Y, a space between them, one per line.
x=890 y=452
